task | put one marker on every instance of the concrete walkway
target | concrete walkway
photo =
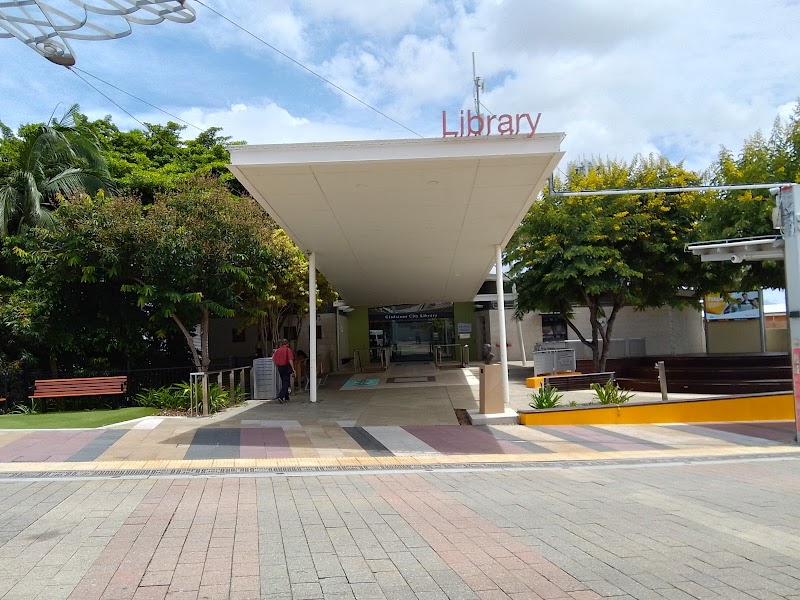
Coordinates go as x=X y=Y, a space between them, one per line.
x=375 y=493
x=404 y=416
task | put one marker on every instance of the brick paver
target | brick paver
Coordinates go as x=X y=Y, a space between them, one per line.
x=725 y=529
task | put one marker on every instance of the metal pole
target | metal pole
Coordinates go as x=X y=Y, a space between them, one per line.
x=788 y=203
x=522 y=344
x=312 y=326
x=662 y=379
x=666 y=190
x=336 y=325
x=762 y=319
x=501 y=310
x=205 y=394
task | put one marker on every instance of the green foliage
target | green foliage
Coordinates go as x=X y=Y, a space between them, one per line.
x=178 y=397
x=45 y=163
x=610 y=393
x=607 y=252
x=748 y=213
x=169 y=397
x=154 y=160
x=545 y=397
x=24 y=409
x=73 y=420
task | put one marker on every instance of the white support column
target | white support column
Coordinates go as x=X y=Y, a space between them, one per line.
x=522 y=344
x=501 y=310
x=789 y=206
x=312 y=326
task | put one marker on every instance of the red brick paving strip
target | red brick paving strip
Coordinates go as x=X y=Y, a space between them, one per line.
x=47 y=446
x=188 y=538
x=492 y=562
x=264 y=442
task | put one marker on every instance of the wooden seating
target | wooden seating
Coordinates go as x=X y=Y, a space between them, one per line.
x=578 y=382
x=85 y=386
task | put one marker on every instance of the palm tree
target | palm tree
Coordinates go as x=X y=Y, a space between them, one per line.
x=56 y=159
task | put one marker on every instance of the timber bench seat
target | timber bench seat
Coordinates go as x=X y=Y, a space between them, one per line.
x=84 y=386
x=578 y=382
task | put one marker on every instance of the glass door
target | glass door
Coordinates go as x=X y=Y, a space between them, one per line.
x=412 y=340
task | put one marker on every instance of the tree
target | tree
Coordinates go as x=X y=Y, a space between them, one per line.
x=607 y=252
x=748 y=213
x=147 y=162
x=287 y=294
x=46 y=162
x=193 y=254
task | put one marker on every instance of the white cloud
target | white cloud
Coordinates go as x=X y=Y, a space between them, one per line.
x=264 y=122
x=677 y=76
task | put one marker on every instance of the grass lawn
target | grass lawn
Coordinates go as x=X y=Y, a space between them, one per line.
x=74 y=420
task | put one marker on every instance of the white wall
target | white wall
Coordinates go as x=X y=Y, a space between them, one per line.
x=531 y=333
x=665 y=330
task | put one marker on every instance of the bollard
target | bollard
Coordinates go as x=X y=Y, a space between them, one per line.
x=662 y=379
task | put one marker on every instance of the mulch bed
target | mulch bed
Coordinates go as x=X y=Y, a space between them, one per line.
x=462 y=416
x=171 y=412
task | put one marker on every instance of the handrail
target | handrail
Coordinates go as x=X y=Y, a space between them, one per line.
x=385 y=357
x=200 y=379
x=462 y=358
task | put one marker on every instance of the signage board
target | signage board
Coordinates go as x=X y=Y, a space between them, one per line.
x=470 y=124
x=733 y=305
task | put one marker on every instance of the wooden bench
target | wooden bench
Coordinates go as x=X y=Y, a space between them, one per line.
x=85 y=386
x=578 y=382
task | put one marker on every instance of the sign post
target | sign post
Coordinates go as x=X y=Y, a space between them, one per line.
x=788 y=208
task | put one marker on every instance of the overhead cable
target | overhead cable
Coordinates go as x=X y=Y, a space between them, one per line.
x=305 y=68
x=79 y=76
x=137 y=98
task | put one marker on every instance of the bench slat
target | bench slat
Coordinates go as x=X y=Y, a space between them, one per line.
x=575 y=382
x=79 y=386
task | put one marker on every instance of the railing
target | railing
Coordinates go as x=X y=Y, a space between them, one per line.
x=456 y=353
x=553 y=361
x=199 y=391
x=386 y=357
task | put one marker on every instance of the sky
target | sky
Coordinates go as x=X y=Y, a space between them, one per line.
x=619 y=77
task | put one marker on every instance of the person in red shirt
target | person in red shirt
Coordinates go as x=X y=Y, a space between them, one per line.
x=283 y=358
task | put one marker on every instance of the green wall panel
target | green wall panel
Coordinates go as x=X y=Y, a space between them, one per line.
x=464 y=312
x=358 y=331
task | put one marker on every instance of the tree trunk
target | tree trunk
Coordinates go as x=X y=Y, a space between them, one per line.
x=204 y=352
x=581 y=337
x=618 y=304
x=189 y=340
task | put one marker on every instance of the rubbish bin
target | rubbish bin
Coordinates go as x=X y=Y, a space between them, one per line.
x=491 y=390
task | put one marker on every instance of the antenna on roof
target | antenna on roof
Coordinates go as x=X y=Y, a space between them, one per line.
x=478 y=84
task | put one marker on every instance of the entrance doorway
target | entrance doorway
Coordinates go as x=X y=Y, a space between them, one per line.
x=411 y=332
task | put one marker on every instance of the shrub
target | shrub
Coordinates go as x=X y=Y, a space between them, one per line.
x=170 y=397
x=610 y=393
x=178 y=397
x=545 y=397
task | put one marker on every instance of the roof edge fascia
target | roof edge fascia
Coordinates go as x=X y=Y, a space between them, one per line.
x=395 y=149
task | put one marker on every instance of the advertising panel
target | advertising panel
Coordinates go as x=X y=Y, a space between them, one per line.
x=733 y=305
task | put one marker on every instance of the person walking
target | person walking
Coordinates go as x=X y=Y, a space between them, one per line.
x=283 y=358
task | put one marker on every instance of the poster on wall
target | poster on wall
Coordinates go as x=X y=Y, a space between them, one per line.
x=554 y=328
x=733 y=305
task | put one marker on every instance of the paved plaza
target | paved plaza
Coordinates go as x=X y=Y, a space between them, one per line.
x=721 y=529
x=377 y=493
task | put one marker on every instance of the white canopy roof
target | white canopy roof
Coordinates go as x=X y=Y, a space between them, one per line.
x=400 y=221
